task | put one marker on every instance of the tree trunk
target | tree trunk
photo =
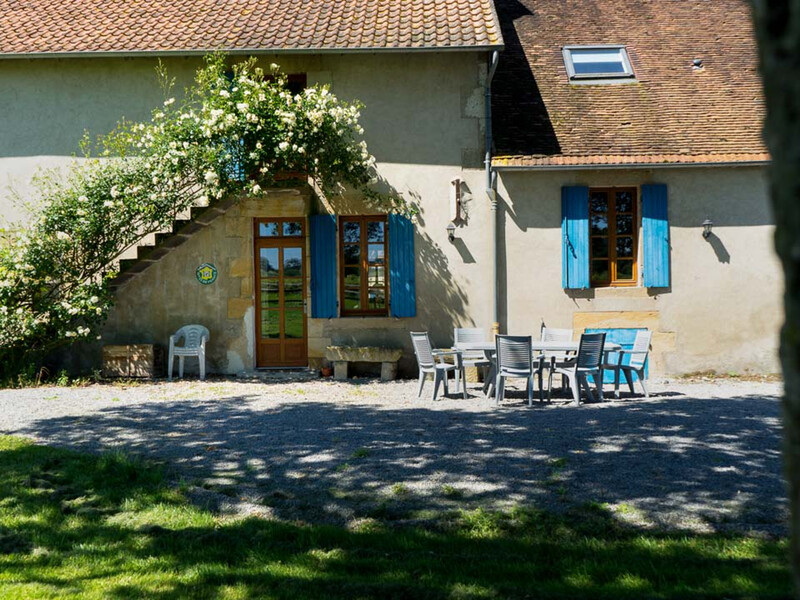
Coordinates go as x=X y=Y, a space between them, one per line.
x=778 y=32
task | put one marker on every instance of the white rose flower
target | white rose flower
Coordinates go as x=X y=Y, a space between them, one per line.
x=169 y=101
x=83 y=199
x=256 y=188
x=225 y=93
x=60 y=235
x=108 y=203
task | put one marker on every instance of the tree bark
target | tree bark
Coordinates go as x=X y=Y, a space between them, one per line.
x=778 y=31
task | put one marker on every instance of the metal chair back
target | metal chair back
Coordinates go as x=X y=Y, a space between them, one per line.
x=466 y=335
x=641 y=347
x=514 y=354
x=550 y=334
x=422 y=349
x=590 y=351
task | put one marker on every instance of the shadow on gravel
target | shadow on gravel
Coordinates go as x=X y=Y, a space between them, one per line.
x=716 y=461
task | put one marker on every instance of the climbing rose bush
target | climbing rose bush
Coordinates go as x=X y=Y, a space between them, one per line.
x=232 y=134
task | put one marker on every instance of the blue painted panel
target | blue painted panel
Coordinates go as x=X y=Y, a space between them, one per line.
x=322 y=229
x=625 y=338
x=402 y=286
x=655 y=236
x=575 y=237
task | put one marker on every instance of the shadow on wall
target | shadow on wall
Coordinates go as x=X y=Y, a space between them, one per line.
x=528 y=130
x=715 y=460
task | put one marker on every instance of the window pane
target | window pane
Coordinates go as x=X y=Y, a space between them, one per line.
x=352 y=298
x=269 y=262
x=352 y=254
x=598 y=202
x=599 y=271
x=270 y=324
x=292 y=229
x=624 y=202
x=625 y=270
x=352 y=276
x=377 y=276
x=624 y=224
x=293 y=293
x=599 y=224
x=600 y=247
x=377 y=298
x=624 y=247
x=293 y=324
x=352 y=231
x=292 y=262
x=375 y=253
x=269 y=293
x=267 y=229
x=597 y=60
x=375 y=231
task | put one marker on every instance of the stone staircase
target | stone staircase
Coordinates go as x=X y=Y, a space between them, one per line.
x=148 y=254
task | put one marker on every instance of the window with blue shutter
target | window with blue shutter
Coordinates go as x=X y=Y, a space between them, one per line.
x=575 y=237
x=402 y=286
x=323 y=266
x=655 y=236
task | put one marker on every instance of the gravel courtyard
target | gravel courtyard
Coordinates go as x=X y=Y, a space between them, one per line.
x=699 y=455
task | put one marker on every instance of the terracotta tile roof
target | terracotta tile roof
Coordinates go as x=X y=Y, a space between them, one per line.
x=674 y=113
x=78 y=26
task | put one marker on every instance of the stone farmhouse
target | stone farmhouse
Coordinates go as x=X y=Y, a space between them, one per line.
x=601 y=164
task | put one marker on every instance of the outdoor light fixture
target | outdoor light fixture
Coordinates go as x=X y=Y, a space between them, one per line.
x=451 y=231
x=707 y=225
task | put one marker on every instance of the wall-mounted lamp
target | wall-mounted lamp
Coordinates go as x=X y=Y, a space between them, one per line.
x=707 y=225
x=451 y=231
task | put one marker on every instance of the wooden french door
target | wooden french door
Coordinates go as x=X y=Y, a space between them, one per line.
x=281 y=331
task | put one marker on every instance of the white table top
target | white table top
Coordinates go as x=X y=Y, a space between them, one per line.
x=537 y=346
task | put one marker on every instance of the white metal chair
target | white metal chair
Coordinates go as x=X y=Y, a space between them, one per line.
x=555 y=359
x=194 y=344
x=589 y=361
x=514 y=359
x=431 y=362
x=638 y=360
x=470 y=358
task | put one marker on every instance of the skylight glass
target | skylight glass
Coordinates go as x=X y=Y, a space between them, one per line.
x=597 y=62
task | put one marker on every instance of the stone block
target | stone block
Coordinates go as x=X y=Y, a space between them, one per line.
x=237 y=307
x=237 y=226
x=241 y=267
x=363 y=354
x=388 y=371
x=246 y=288
x=340 y=370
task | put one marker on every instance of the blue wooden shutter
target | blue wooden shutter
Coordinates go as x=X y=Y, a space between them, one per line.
x=655 y=234
x=575 y=237
x=402 y=288
x=323 y=266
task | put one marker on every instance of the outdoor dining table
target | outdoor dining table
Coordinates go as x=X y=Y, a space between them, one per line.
x=489 y=348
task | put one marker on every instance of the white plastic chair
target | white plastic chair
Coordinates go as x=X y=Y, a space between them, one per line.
x=470 y=358
x=194 y=344
x=588 y=362
x=431 y=361
x=638 y=360
x=555 y=358
x=514 y=359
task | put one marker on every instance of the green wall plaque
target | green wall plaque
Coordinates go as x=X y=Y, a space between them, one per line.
x=206 y=273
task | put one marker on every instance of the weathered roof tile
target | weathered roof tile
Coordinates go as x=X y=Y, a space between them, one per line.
x=87 y=26
x=672 y=114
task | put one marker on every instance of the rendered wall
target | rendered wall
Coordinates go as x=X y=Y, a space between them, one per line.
x=423 y=119
x=723 y=310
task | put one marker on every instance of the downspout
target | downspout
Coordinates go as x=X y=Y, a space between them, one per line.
x=491 y=192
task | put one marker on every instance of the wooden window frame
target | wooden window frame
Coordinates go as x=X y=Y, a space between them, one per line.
x=364 y=286
x=612 y=237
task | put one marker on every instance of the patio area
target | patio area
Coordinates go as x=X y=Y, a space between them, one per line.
x=699 y=455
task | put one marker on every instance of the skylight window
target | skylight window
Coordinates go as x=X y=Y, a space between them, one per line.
x=586 y=63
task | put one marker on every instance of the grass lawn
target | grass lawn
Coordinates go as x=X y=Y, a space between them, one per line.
x=75 y=525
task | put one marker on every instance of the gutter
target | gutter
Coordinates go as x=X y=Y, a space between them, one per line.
x=247 y=51
x=491 y=192
x=591 y=167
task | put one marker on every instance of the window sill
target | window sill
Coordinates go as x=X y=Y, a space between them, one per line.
x=621 y=292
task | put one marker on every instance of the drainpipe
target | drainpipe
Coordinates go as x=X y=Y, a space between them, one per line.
x=491 y=192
